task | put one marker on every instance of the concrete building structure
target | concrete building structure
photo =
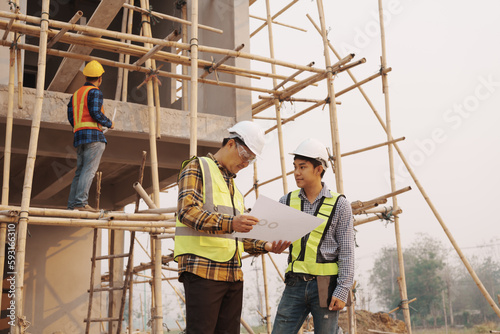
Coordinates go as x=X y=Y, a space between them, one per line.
x=57 y=266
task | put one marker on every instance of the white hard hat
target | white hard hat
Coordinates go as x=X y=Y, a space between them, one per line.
x=313 y=148
x=251 y=134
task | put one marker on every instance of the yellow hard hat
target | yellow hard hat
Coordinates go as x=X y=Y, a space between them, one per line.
x=93 y=69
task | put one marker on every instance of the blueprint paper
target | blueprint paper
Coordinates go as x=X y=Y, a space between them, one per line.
x=279 y=222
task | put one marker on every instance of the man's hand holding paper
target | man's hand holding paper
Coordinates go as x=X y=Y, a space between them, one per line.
x=278 y=222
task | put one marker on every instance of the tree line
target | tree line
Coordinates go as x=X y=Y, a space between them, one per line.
x=444 y=291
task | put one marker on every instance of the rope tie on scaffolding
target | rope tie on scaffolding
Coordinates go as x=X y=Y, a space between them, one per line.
x=256 y=185
x=388 y=216
x=15 y=43
x=329 y=69
x=24 y=323
x=153 y=74
x=327 y=101
x=41 y=20
x=191 y=44
x=13 y=6
x=152 y=17
x=180 y=3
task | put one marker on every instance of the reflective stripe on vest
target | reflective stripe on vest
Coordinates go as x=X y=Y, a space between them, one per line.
x=81 y=116
x=305 y=256
x=216 y=198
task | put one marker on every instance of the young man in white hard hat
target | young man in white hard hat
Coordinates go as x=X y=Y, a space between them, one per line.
x=320 y=268
x=210 y=208
x=86 y=116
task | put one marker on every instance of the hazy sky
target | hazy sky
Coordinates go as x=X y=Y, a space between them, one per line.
x=444 y=98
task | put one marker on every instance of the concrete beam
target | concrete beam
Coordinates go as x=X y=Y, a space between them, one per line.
x=69 y=68
x=130 y=121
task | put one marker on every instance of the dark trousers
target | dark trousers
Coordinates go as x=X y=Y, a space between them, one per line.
x=212 y=307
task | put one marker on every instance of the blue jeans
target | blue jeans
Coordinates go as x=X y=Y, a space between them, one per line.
x=299 y=299
x=88 y=157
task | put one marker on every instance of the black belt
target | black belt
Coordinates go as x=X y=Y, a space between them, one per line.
x=300 y=277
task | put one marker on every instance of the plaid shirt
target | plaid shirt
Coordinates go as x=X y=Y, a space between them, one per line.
x=191 y=213
x=94 y=103
x=339 y=238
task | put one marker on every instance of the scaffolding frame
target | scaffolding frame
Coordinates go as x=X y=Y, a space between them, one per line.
x=161 y=225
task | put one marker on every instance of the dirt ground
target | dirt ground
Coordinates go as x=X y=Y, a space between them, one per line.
x=378 y=321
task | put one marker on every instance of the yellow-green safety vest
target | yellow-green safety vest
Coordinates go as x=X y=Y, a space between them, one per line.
x=216 y=198
x=305 y=256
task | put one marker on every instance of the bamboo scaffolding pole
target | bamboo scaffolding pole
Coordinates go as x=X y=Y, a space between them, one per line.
x=385 y=84
x=156 y=287
x=262 y=105
x=351 y=312
x=291 y=118
x=291 y=99
x=287 y=93
x=333 y=108
x=277 y=108
x=108 y=215
x=19 y=78
x=278 y=23
x=111 y=267
x=371 y=147
x=134 y=68
x=141 y=39
x=172 y=209
x=276 y=267
x=266 y=182
x=370 y=78
x=98 y=189
x=255 y=180
x=61 y=32
x=135 y=50
x=156 y=89
x=291 y=77
x=170 y=18
x=121 y=58
x=466 y=263
x=397 y=308
x=266 y=293
x=140 y=190
x=166 y=236
x=130 y=20
x=185 y=93
x=379 y=209
x=265 y=118
x=94 y=223
x=369 y=205
x=273 y=17
x=7 y=155
x=193 y=104
x=214 y=67
x=92 y=273
x=7 y=30
x=383 y=197
x=151 y=116
x=246 y=326
x=172 y=36
x=373 y=218
x=140 y=179
x=30 y=166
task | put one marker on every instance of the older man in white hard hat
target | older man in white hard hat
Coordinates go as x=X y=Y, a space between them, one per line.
x=86 y=116
x=210 y=208
x=320 y=268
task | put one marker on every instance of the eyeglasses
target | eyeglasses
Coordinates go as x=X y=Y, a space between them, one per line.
x=244 y=154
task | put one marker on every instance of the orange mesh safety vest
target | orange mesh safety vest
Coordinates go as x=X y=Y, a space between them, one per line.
x=81 y=116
